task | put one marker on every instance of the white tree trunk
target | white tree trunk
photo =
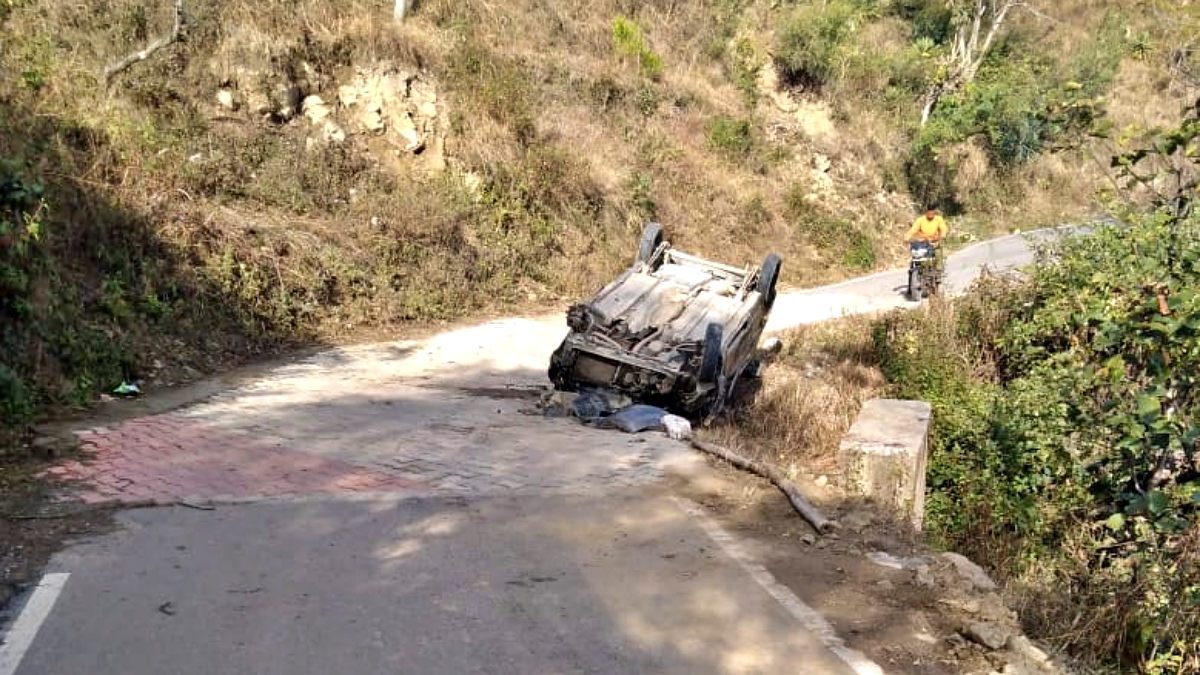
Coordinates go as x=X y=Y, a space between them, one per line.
x=111 y=71
x=401 y=10
x=967 y=51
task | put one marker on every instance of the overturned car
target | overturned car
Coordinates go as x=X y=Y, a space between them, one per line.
x=673 y=330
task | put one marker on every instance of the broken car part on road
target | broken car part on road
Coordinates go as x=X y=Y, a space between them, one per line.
x=673 y=330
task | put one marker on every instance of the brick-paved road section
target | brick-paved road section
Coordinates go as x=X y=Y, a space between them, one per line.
x=166 y=459
x=450 y=416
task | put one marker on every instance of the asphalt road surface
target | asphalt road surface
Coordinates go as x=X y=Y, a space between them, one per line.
x=886 y=290
x=625 y=584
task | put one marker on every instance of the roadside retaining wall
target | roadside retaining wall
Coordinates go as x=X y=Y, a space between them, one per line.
x=885 y=454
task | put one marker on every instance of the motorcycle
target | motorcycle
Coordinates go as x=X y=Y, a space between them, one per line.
x=924 y=271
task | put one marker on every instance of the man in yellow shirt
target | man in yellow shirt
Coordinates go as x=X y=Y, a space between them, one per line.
x=930 y=227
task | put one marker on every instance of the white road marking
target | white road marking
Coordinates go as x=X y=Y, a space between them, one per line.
x=25 y=628
x=806 y=615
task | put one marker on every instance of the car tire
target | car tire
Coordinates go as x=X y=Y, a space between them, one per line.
x=710 y=362
x=558 y=370
x=652 y=236
x=768 y=277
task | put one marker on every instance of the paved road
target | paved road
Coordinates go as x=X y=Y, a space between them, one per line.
x=396 y=507
x=885 y=290
x=626 y=584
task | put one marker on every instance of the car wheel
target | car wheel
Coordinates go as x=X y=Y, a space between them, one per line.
x=558 y=372
x=652 y=236
x=710 y=363
x=753 y=369
x=768 y=277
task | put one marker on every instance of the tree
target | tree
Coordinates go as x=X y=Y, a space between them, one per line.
x=401 y=10
x=111 y=71
x=976 y=25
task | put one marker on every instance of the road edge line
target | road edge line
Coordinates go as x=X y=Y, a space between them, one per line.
x=20 y=637
x=807 y=616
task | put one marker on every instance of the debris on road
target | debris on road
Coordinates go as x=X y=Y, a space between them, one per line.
x=127 y=390
x=677 y=427
x=608 y=409
x=634 y=418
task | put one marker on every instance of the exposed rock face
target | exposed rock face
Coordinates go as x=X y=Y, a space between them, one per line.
x=227 y=99
x=398 y=104
x=267 y=77
x=315 y=109
x=970 y=572
x=381 y=102
x=988 y=634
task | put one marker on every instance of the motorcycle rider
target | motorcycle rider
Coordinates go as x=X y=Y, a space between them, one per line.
x=931 y=228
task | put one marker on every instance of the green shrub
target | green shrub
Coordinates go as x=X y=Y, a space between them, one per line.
x=744 y=66
x=629 y=41
x=1075 y=452
x=860 y=251
x=641 y=188
x=16 y=402
x=22 y=209
x=495 y=86
x=1064 y=444
x=732 y=137
x=931 y=20
x=929 y=177
x=812 y=42
x=1020 y=105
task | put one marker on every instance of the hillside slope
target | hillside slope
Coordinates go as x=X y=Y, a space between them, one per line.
x=288 y=172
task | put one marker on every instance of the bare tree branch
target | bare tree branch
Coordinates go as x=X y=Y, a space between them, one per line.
x=799 y=502
x=112 y=70
x=975 y=33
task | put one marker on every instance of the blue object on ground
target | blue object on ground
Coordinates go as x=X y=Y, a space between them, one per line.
x=635 y=418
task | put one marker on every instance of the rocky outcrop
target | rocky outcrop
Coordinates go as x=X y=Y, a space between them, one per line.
x=381 y=102
x=965 y=589
x=401 y=105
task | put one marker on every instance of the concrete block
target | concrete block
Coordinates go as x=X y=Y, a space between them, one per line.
x=885 y=454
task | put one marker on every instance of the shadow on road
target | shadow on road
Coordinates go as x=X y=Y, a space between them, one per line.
x=624 y=584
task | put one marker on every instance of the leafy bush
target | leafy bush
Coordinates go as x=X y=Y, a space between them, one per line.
x=16 y=402
x=629 y=41
x=1074 y=455
x=1065 y=433
x=860 y=251
x=732 y=137
x=813 y=40
x=1021 y=104
x=21 y=210
x=744 y=65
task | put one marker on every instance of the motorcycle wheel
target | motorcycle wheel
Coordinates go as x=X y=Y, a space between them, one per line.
x=914 y=284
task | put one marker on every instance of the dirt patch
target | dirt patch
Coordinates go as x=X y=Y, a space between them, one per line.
x=32 y=529
x=902 y=619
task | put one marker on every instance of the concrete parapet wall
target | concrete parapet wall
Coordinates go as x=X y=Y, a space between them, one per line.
x=885 y=454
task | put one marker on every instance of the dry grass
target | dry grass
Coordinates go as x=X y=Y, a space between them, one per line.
x=809 y=398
